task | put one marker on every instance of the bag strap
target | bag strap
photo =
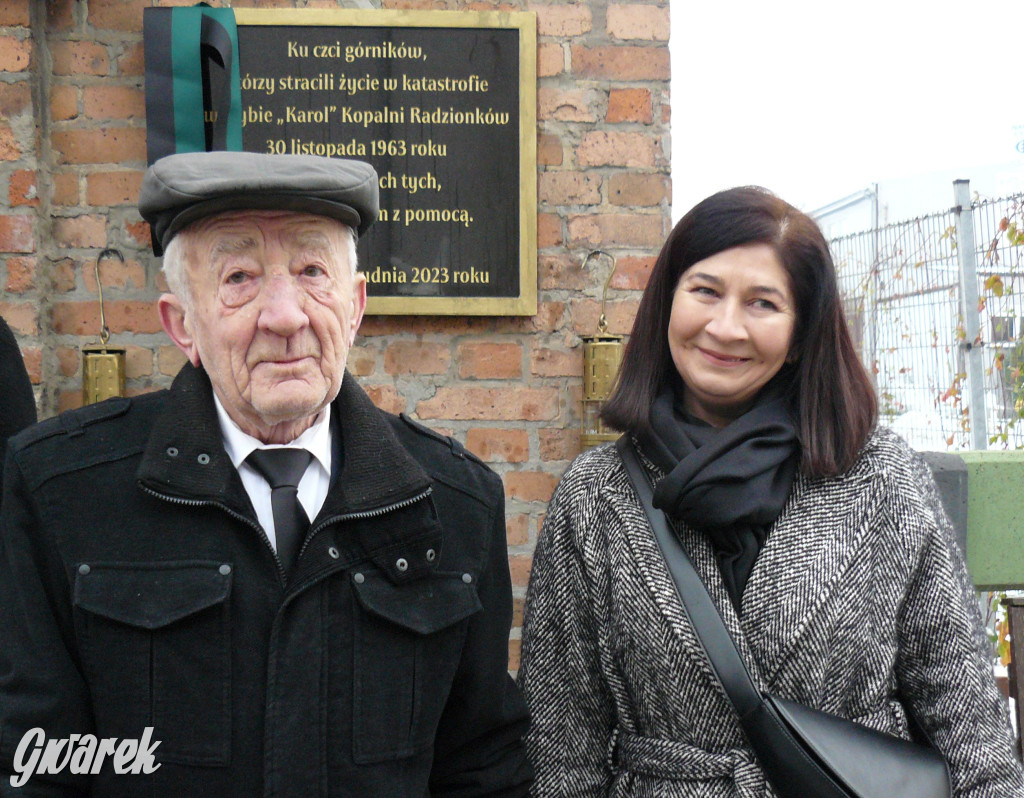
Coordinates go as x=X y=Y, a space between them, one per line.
x=719 y=647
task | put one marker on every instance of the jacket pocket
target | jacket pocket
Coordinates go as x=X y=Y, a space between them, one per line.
x=156 y=645
x=408 y=640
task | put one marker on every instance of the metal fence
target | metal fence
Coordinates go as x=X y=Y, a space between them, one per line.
x=938 y=321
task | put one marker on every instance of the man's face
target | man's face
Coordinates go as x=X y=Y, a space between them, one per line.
x=273 y=312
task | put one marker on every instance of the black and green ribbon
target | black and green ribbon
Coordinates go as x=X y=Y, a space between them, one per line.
x=193 y=86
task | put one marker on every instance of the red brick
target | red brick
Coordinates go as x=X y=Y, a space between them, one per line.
x=80 y=58
x=613 y=148
x=103 y=145
x=114 y=274
x=493 y=361
x=559 y=444
x=499 y=445
x=386 y=397
x=15 y=13
x=560 y=272
x=33 y=358
x=114 y=102
x=63 y=103
x=549 y=150
x=362 y=361
x=132 y=61
x=549 y=230
x=633 y=189
x=519 y=567
x=620 y=62
x=569 y=188
x=515 y=654
x=139 y=233
x=22 y=188
x=170 y=359
x=63 y=275
x=65 y=189
x=80 y=231
x=632 y=273
x=69 y=400
x=518 y=611
x=550 y=60
x=530 y=486
x=630 y=105
x=22 y=317
x=15 y=54
x=123 y=15
x=565 y=106
x=10 y=150
x=491 y=404
x=17 y=234
x=113 y=188
x=21 y=275
x=635 y=21
x=545 y=362
x=416 y=357
x=68 y=360
x=563 y=20
x=626 y=230
x=585 y=313
x=82 y=318
x=60 y=14
x=138 y=362
x=15 y=99
x=517 y=533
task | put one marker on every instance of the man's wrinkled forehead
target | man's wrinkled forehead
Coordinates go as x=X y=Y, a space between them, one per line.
x=237 y=232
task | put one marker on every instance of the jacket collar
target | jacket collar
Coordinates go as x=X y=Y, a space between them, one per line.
x=185 y=457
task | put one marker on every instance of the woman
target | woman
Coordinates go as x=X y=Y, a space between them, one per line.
x=17 y=404
x=819 y=536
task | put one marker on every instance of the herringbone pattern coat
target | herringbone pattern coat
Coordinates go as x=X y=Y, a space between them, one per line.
x=859 y=604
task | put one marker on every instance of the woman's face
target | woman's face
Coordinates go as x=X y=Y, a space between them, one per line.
x=730 y=330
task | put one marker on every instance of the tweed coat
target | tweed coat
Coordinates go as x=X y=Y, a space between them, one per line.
x=859 y=605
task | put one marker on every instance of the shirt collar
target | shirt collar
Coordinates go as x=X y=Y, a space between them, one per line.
x=239 y=445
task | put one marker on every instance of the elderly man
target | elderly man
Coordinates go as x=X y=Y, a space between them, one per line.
x=171 y=621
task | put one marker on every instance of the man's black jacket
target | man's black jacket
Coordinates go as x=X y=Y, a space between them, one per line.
x=137 y=590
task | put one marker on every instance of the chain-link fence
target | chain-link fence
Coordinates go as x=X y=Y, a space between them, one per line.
x=903 y=289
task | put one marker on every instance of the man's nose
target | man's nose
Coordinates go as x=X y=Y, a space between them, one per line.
x=282 y=310
x=727 y=322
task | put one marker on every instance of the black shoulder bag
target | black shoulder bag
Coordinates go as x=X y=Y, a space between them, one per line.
x=804 y=753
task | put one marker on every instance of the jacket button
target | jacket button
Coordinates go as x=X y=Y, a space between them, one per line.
x=203 y=459
x=358 y=579
x=467 y=578
x=333 y=552
x=224 y=569
x=431 y=555
x=83 y=569
x=402 y=564
x=172 y=451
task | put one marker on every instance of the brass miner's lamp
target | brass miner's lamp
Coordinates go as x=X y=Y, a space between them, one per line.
x=602 y=354
x=103 y=366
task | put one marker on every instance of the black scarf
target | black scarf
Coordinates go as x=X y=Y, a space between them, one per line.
x=731 y=482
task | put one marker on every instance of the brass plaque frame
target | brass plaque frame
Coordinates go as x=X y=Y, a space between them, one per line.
x=525 y=22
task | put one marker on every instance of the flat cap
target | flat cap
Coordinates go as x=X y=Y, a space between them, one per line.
x=180 y=189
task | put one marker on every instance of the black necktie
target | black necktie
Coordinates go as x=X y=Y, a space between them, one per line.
x=283 y=468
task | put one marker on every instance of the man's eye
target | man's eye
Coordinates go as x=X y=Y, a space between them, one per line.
x=312 y=270
x=236 y=278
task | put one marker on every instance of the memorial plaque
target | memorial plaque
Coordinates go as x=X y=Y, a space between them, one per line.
x=443 y=105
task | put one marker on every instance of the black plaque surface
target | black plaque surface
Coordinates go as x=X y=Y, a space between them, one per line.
x=435 y=101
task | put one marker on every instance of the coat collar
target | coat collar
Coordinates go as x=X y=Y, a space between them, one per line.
x=816 y=538
x=185 y=458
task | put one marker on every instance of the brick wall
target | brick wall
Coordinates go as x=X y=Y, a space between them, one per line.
x=72 y=152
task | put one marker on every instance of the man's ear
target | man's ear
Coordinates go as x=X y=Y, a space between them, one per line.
x=176 y=324
x=358 y=305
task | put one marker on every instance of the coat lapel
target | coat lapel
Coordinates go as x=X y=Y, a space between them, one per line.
x=809 y=549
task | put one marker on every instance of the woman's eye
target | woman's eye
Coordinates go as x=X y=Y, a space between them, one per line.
x=765 y=304
x=703 y=290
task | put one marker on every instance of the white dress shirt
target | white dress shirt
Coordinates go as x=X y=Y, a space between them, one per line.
x=314 y=483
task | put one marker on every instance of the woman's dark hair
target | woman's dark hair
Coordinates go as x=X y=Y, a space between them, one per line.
x=835 y=397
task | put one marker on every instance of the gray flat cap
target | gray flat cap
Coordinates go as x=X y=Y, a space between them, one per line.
x=179 y=189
